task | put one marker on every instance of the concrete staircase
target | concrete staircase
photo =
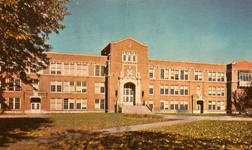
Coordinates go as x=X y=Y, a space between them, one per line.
x=136 y=109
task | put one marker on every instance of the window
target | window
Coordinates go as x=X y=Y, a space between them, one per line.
x=81 y=87
x=244 y=76
x=183 y=105
x=220 y=105
x=183 y=74
x=174 y=90
x=164 y=105
x=99 y=104
x=81 y=104
x=151 y=73
x=68 y=103
x=99 y=88
x=184 y=90
x=82 y=70
x=198 y=75
x=99 y=70
x=56 y=86
x=55 y=104
x=69 y=87
x=174 y=105
x=164 y=74
x=56 y=67
x=129 y=56
x=14 y=85
x=164 y=89
x=69 y=68
x=14 y=103
x=212 y=91
x=174 y=74
x=211 y=105
x=151 y=89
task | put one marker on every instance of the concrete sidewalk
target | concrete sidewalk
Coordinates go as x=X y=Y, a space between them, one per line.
x=181 y=119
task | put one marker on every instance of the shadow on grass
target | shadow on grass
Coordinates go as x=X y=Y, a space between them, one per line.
x=16 y=129
x=144 y=140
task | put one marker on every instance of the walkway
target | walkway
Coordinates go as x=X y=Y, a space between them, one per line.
x=182 y=119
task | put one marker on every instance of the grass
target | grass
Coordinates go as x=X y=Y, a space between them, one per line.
x=206 y=134
x=15 y=129
x=196 y=135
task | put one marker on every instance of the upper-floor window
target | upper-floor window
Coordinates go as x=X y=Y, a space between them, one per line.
x=81 y=70
x=14 y=103
x=56 y=68
x=81 y=87
x=129 y=56
x=13 y=85
x=35 y=84
x=216 y=76
x=164 y=73
x=164 y=89
x=174 y=74
x=184 y=90
x=183 y=74
x=99 y=70
x=99 y=88
x=151 y=89
x=244 y=76
x=198 y=75
x=56 y=86
x=151 y=73
x=69 y=86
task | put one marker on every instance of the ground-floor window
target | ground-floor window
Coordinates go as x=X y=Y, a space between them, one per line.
x=174 y=105
x=211 y=105
x=14 y=103
x=68 y=103
x=100 y=104
x=164 y=105
x=56 y=104
x=81 y=104
x=183 y=105
x=220 y=105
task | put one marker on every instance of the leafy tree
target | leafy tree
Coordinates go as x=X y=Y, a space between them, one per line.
x=25 y=26
x=242 y=100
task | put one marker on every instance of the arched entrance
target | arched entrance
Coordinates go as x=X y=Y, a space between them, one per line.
x=129 y=94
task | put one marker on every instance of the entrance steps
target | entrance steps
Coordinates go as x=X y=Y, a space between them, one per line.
x=135 y=109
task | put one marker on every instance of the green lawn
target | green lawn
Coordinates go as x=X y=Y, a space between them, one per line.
x=196 y=135
x=15 y=129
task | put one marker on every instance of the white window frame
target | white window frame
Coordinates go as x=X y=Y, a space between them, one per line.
x=68 y=104
x=69 y=87
x=56 y=85
x=99 y=70
x=100 y=104
x=81 y=87
x=164 y=89
x=99 y=88
x=164 y=105
x=151 y=89
x=56 y=104
x=82 y=103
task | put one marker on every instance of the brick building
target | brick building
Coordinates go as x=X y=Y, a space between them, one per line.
x=124 y=76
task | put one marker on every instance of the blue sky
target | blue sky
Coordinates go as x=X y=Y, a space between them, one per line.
x=211 y=31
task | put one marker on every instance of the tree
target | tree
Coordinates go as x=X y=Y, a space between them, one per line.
x=242 y=100
x=25 y=26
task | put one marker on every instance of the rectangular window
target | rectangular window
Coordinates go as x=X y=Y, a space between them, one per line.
x=55 y=104
x=151 y=89
x=164 y=105
x=81 y=87
x=56 y=86
x=183 y=105
x=174 y=74
x=81 y=104
x=176 y=90
x=68 y=103
x=56 y=68
x=198 y=75
x=35 y=84
x=164 y=74
x=151 y=73
x=14 y=103
x=172 y=90
x=82 y=70
x=69 y=86
x=151 y=105
x=164 y=89
x=184 y=90
x=174 y=105
x=99 y=88
x=183 y=74
x=14 y=85
x=99 y=104
x=99 y=70
x=212 y=91
x=211 y=105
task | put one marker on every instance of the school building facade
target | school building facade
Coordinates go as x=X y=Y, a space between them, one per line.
x=125 y=76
